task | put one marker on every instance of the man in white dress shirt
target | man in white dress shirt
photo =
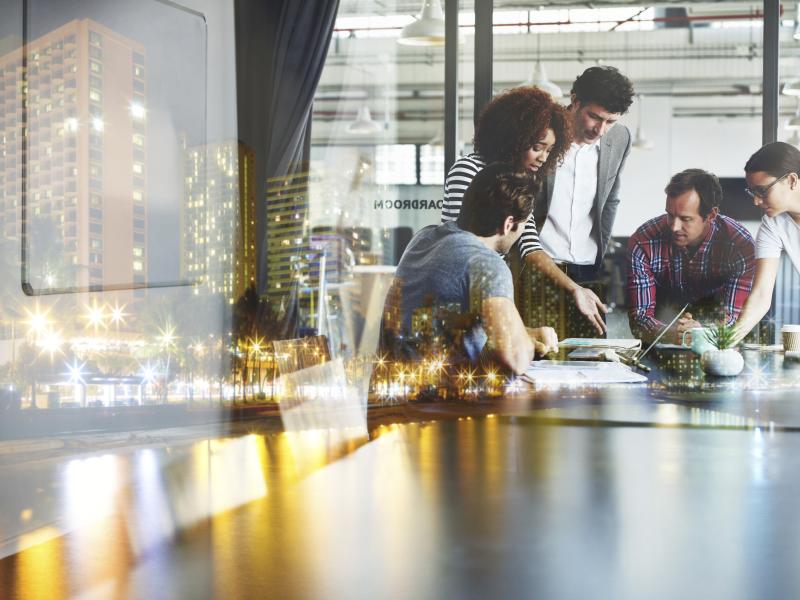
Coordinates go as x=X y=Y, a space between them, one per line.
x=576 y=209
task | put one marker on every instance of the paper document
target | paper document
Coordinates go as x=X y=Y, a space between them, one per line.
x=606 y=354
x=578 y=372
x=621 y=343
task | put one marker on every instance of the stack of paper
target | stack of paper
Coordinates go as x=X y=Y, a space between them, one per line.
x=578 y=372
x=613 y=343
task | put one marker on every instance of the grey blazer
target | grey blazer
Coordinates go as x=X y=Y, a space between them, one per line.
x=614 y=149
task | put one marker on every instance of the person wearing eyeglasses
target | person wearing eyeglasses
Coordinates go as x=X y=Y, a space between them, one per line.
x=774 y=185
x=690 y=255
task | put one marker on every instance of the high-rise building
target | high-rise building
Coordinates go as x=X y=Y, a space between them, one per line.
x=82 y=96
x=287 y=234
x=218 y=218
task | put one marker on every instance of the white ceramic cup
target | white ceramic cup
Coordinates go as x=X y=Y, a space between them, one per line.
x=700 y=340
x=791 y=338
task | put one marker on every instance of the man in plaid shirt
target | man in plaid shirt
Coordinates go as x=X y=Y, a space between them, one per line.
x=692 y=254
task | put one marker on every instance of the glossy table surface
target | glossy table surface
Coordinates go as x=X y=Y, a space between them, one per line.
x=686 y=487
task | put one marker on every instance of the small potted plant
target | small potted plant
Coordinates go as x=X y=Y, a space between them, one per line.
x=724 y=360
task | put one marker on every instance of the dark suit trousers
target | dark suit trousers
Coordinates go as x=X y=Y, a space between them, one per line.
x=543 y=303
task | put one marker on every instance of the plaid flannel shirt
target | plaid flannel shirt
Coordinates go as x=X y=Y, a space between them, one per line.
x=721 y=268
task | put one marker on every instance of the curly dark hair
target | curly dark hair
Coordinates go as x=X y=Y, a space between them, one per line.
x=514 y=121
x=605 y=86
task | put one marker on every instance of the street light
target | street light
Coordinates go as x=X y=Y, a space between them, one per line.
x=118 y=314
x=167 y=338
x=37 y=321
x=95 y=315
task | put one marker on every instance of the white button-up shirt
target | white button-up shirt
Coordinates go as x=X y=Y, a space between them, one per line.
x=567 y=234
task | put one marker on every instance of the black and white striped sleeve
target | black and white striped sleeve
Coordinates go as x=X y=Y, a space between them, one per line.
x=458 y=179
x=529 y=240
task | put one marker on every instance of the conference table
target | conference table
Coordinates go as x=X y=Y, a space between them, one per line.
x=685 y=486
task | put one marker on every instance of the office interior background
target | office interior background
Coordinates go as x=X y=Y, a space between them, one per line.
x=178 y=235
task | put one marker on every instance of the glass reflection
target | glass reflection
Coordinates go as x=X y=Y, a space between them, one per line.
x=106 y=131
x=448 y=501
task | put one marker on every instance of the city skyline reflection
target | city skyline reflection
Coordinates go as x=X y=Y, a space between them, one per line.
x=299 y=514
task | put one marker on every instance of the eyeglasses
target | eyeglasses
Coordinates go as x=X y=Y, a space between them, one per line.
x=761 y=191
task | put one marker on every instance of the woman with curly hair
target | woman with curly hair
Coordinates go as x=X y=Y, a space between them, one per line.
x=523 y=126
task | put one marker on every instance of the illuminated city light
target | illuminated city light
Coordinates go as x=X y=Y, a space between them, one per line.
x=37 y=321
x=97 y=124
x=436 y=366
x=138 y=111
x=71 y=125
x=95 y=315
x=50 y=343
x=118 y=314
x=256 y=345
x=76 y=372
x=148 y=373
x=470 y=375
x=166 y=336
x=100 y=344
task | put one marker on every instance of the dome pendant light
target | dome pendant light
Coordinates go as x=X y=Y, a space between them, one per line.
x=363 y=125
x=428 y=29
x=539 y=80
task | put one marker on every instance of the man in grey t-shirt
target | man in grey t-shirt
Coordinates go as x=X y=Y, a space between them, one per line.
x=453 y=282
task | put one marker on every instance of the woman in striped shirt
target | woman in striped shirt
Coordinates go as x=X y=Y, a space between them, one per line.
x=526 y=127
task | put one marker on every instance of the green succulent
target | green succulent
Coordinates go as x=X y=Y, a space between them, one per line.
x=721 y=336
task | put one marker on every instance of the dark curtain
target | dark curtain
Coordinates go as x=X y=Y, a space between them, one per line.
x=281 y=46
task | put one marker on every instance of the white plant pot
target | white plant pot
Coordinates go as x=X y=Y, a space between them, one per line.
x=722 y=363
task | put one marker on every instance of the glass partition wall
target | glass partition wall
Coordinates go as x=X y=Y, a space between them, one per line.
x=122 y=285
x=697 y=74
x=131 y=295
x=118 y=275
x=376 y=172
x=786 y=300
x=126 y=207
